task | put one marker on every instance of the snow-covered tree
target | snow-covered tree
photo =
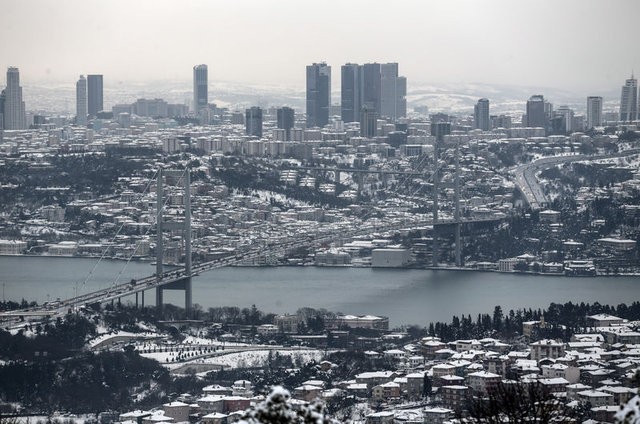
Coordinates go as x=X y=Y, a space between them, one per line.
x=277 y=409
x=630 y=413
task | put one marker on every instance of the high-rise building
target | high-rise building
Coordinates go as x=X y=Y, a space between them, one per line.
x=440 y=129
x=15 y=117
x=481 y=119
x=393 y=92
x=371 y=87
x=200 y=87
x=81 y=101
x=2 y=96
x=318 y=94
x=350 y=92
x=377 y=87
x=629 y=100
x=94 y=94
x=368 y=122
x=594 y=111
x=566 y=114
x=536 y=116
x=401 y=97
x=253 y=121
x=286 y=121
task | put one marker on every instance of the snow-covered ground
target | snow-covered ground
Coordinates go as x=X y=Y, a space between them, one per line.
x=229 y=358
x=106 y=338
x=257 y=358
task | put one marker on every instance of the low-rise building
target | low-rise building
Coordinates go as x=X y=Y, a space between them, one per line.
x=390 y=258
x=353 y=321
x=386 y=391
x=595 y=398
x=557 y=370
x=307 y=392
x=179 y=411
x=546 y=349
x=482 y=382
x=603 y=320
x=455 y=397
x=12 y=247
x=437 y=415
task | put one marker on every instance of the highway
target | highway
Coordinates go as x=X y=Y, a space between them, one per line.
x=527 y=182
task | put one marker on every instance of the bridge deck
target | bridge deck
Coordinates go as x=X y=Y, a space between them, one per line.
x=278 y=246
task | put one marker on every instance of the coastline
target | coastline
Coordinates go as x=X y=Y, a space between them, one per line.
x=111 y=258
x=151 y=261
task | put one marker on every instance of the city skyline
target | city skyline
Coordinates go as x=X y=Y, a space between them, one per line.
x=453 y=32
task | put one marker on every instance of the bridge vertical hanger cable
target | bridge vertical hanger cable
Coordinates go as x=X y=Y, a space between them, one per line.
x=104 y=251
x=157 y=216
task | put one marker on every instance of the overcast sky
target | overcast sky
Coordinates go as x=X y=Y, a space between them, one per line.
x=573 y=44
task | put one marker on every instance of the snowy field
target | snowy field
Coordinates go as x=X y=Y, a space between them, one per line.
x=248 y=357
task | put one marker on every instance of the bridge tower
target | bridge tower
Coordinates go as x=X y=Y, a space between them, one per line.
x=183 y=227
x=456 y=214
x=439 y=130
x=436 y=188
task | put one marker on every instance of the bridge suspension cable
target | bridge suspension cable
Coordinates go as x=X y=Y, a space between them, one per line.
x=106 y=249
x=157 y=216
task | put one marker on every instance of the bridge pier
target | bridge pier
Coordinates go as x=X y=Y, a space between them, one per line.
x=142 y=299
x=159 y=300
x=159 y=239
x=436 y=248
x=136 y=300
x=458 y=246
x=457 y=206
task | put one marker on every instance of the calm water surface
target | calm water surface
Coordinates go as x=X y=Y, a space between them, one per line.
x=405 y=296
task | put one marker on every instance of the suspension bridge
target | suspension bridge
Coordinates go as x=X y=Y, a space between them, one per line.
x=180 y=278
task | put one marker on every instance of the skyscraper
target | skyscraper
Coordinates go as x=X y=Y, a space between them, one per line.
x=481 y=119
x=253 y=121
x=536 y=112
x=393 y=92
x=594 y=111
x=2 y=96
x=350 y=92
x=94 y=94
x=15 y=117
x=200 y=87
x=629 y=100
x=371 y=87
x=286 y=121
x=81 y=101
x=318 y=94
x=401 y=97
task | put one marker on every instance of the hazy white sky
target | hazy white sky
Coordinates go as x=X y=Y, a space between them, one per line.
x=573 y=44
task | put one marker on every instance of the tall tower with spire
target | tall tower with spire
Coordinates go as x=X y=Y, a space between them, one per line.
x=629 y=100
x=15 y=117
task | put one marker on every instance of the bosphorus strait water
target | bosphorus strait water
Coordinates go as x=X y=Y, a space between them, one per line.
x=405 y=296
